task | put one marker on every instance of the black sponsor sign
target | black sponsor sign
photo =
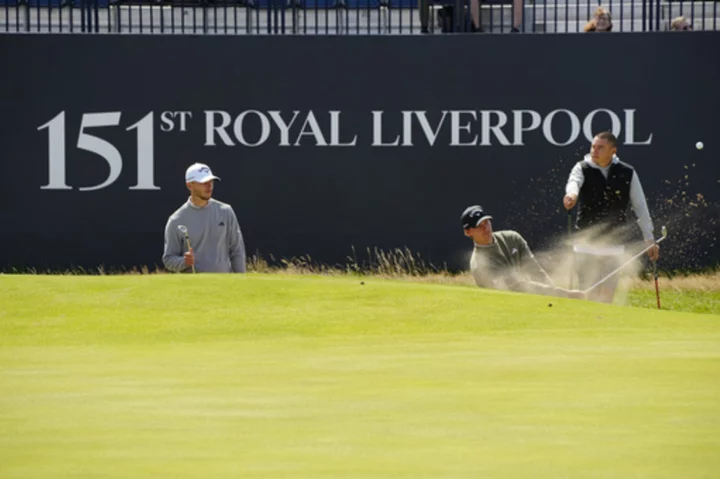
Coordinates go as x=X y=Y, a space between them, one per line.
x=329 y=145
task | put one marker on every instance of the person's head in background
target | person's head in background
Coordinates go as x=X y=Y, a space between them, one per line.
x=680 y=24
x=600 y=22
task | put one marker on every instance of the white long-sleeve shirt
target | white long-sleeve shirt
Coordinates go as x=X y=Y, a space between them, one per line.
x=637 y=196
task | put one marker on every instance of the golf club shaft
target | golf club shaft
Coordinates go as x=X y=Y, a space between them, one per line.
x=187 y=238
x=619 y=268
x=657 y=287
x=572 y=252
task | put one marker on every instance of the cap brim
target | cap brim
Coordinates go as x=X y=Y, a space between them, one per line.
x=207 y=178
x=486 y=217
x=470 y=225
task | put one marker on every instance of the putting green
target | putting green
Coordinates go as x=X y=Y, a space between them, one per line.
x=273 y=376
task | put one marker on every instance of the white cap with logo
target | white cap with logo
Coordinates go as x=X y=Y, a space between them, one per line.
x=199 y=172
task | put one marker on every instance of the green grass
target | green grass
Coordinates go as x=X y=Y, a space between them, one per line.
x=692 y=301
x=274 y=376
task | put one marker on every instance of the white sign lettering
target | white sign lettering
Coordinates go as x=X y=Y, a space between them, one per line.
x=90 y=142
x=254 y=128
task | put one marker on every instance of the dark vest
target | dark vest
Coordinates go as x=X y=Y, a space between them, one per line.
x=604 y=203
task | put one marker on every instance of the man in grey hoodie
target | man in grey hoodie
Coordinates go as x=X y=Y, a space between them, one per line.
x=216 y=241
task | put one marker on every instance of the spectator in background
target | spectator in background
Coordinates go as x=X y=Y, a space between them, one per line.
x=517 y=19
x=679 y=24
x=445 y=21
x=600 y=22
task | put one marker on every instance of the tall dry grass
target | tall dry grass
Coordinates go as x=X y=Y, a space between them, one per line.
x=396 y=264
x=708 y=282
x=402 y=264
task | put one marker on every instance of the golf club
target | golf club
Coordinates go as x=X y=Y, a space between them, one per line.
x=183 y=229
x=614 y=272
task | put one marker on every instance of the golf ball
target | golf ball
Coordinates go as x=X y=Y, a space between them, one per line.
x=699 y=145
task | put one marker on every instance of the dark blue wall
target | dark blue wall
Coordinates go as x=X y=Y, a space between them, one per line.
x=323 y=200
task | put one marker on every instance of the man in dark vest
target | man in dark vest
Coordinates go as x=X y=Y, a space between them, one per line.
x=604 y=188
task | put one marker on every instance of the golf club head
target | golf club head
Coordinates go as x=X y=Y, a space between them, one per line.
x=183 y=229
x=663 y=231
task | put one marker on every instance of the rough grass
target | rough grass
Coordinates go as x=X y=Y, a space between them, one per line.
x=679 y=290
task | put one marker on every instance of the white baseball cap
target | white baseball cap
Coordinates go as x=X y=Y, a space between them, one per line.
x=199 y=172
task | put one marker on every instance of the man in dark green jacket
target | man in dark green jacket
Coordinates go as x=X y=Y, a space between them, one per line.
x=503 y=260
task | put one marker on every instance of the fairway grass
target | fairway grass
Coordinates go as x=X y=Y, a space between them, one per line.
x=281 y=376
